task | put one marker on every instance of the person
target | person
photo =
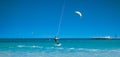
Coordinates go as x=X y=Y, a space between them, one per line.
x=56 y=40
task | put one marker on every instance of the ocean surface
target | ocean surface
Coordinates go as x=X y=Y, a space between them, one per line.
x=68 y=48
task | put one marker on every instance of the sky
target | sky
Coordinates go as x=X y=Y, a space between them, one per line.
x=40 y=18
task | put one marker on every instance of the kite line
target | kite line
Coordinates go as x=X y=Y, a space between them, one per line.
x=61 y=17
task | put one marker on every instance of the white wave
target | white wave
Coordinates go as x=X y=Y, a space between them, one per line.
x=52 y=47
x=60 y=48
x=20 y=46
x=117 y=50
x=49 y=47
x=24 y=46
x=64 y=52
x=94 y=50
x=71 y=48
x=80 y=48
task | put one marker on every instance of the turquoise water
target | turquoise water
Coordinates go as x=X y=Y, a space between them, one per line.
x=69 y=48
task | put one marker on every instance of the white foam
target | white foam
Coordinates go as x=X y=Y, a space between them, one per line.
x=35 y=46
x=115 y=50
x=71 y=48
x=52 y=47
x=60 y=48
x=20 y=46
x=94 y=50
x=80 y=48
x=23 y=46
x=64 y=53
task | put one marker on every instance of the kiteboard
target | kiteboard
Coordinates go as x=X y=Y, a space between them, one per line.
x=58 y=44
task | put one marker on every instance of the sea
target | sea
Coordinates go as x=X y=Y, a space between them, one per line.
x=68 y=48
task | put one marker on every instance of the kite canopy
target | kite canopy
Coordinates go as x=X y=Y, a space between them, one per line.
x=79 y=13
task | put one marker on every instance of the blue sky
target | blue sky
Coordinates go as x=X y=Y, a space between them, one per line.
x=40 y=18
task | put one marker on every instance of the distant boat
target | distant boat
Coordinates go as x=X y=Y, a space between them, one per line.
x=102 y=38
